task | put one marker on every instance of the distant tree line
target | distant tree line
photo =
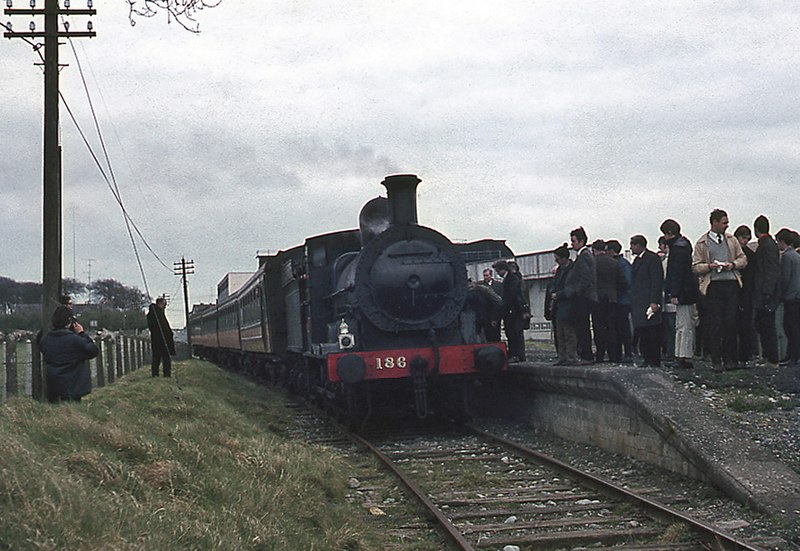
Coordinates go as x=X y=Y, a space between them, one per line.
x=109 y=303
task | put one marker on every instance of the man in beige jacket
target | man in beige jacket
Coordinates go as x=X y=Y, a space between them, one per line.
x=716 y=260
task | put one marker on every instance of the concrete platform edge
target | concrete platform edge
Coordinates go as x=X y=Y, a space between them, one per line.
x=707 y=442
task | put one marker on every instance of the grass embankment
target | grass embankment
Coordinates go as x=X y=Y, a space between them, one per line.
x=145 y=464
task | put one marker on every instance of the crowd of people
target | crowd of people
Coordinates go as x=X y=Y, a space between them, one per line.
x=716 y=298
x=503 y=303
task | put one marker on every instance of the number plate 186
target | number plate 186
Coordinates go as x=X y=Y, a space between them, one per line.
x=390 y=362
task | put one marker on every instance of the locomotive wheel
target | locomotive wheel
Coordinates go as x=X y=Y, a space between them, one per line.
x=358 y=406
x=458 y=402
x=351 y=407
x=305 y=385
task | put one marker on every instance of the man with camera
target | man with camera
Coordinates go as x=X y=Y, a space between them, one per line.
x=66 y=350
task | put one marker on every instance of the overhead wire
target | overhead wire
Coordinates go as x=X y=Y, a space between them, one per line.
x=37 y=46
x=88 y=61
x=110 y=178
x=129 y=223
x=108 y=182
x=114 y=187
x=111 y=181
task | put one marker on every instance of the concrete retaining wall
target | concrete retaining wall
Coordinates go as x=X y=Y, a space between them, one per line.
x=614 y=427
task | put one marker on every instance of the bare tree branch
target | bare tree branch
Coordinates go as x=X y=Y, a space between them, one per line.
x=183 y=12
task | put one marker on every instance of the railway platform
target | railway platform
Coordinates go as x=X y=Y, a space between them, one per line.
x=641 y=413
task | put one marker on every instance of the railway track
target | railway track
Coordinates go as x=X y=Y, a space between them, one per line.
x=488 y=492
x=483 y=491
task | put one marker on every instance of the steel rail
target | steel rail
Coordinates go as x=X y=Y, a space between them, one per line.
x=444 y=522
x=724 y=540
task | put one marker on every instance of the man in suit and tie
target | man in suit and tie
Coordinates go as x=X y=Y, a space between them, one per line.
x=580 y=288
x=647 y=294
x=716 y=260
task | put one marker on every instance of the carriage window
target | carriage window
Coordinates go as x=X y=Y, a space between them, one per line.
x=319 y=256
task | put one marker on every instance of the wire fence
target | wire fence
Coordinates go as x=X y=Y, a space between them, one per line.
x=22 y=370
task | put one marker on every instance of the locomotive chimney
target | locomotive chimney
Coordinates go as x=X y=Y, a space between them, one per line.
x=401 y=190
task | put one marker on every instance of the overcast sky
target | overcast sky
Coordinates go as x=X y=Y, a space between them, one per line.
x=523 y=120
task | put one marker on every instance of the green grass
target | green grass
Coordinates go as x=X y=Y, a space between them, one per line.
x=144 y=464
x=741 y=402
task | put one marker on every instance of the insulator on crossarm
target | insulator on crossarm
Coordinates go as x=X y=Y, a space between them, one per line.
x=89 y=4
x=66 y=26
x=66 y=4
x=9 y=4
x=89 y=26
x=9 y=26
x=32 y=26
x=33 y=4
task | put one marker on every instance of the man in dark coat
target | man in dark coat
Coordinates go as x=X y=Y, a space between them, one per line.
x=766 y=290
x=514 y=305
x=622 y=317
x=581 y=288
x=680 y=289
x=790 y=293
x=492 y=326
x=560 y=311
x=610 y=280
x=745 y=328
x=66 y=349
x=488 y=308
x=647 y=291
x=524 y=294
x=162 y=343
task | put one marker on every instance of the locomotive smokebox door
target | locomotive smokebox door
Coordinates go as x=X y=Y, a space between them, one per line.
x=410 y=278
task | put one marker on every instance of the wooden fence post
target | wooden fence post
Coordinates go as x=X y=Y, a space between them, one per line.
x=28 y=371
x=11 y=365
x=110 y=364
x=126 y=343
x=137 y=342
x=3 y=374
x=118 y=349
x=134 y=355
x=101 y=374
x=37 y=375
x=148 y=353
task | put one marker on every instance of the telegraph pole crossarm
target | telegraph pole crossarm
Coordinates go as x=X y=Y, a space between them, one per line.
x=51 y=9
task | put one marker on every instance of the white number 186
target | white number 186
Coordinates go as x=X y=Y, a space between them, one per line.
x=390 y=362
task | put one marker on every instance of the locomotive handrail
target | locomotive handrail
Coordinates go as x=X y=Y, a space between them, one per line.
x=415 y=253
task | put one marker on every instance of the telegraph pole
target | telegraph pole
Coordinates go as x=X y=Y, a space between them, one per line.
x=184 y=268
x=52 y=249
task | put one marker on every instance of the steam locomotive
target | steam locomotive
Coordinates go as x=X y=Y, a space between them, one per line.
x=360 y=319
